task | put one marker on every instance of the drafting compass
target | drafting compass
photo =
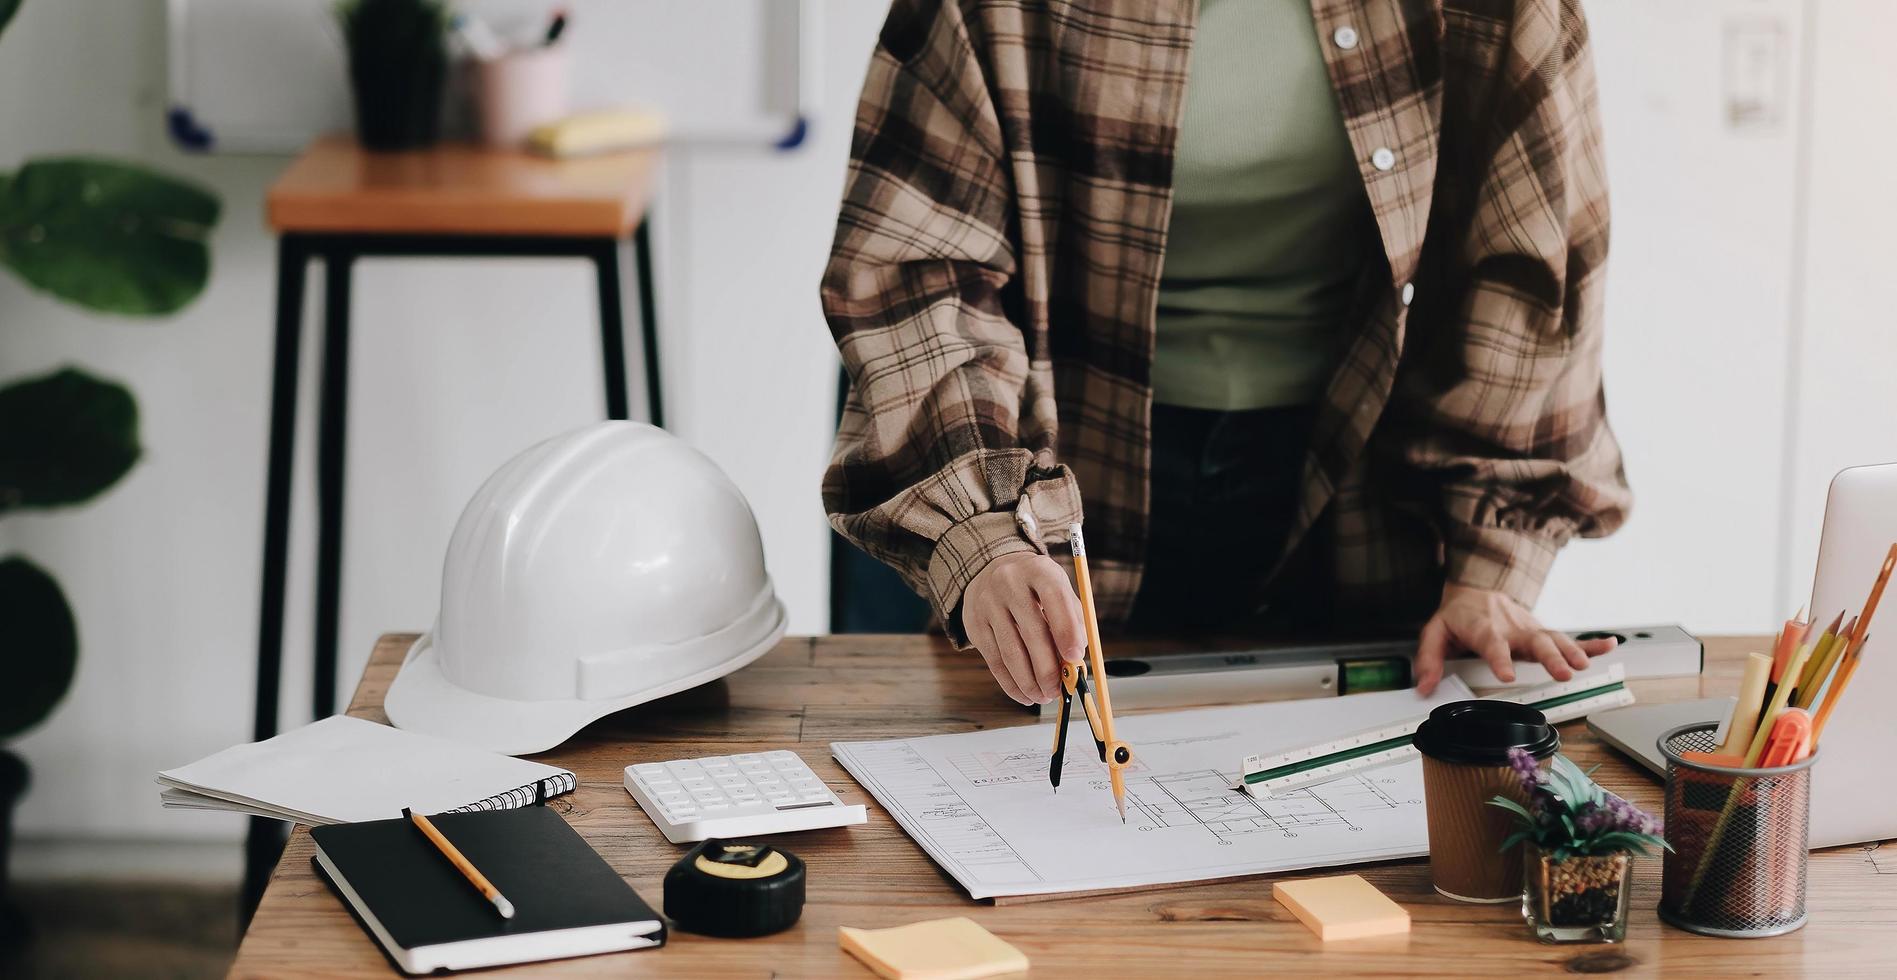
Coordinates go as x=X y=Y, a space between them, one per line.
x=1092 y=694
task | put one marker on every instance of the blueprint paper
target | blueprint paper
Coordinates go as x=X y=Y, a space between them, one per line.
x=979 y=803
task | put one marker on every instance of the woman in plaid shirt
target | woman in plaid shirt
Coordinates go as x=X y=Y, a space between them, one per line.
x=1298 y=300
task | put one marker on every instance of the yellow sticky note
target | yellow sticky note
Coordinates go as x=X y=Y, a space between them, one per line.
x=1342 y=907
x=939 y=949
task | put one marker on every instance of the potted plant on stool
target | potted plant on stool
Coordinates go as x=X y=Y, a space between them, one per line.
x=1581 y=842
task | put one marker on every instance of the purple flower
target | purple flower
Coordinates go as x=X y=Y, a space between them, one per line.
x=1615 y=814
x=1527 y=769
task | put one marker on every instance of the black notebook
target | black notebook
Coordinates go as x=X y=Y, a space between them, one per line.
x=567 y=900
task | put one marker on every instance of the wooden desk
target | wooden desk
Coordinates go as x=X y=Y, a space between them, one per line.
x=338 y=202
x=809 y=692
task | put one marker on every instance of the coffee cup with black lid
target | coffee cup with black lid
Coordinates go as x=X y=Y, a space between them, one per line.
x=1465 y=746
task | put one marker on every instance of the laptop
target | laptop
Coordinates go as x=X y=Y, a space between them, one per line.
x=1853 y=799
x=1636 y=729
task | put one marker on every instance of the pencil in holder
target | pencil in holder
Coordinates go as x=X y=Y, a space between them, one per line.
x=1740 y=842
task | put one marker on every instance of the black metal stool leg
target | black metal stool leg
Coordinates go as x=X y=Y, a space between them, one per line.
x=612 y=327
x=264 y=840
x=648 y=323
x=331 y=443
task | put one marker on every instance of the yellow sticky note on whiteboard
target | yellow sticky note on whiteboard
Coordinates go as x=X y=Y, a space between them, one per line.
x=939 y=949
x=1342 y=907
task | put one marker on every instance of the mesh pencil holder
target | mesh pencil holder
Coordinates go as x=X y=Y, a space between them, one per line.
x=1740 y=842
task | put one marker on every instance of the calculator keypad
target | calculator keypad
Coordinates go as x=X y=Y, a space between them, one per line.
x=766 y=791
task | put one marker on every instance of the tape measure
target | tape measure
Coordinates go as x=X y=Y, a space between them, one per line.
x=1280 y=772
x=733 y=889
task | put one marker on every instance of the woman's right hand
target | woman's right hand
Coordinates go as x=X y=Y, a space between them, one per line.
x=1023 y=616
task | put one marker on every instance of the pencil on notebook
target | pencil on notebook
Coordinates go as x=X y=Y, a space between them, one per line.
x=461 y=863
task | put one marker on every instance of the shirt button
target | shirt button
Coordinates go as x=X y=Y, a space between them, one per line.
x=1409 y=292
x=1345 y=37
x=1383 y=158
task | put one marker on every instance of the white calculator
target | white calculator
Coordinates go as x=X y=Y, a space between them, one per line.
x=736 y=796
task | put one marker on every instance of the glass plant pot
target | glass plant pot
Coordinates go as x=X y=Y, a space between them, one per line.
x=1576 y=899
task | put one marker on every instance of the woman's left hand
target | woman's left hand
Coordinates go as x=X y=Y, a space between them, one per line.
x=1500 y=631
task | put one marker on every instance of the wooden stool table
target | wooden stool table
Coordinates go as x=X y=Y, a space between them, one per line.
x=338 y=203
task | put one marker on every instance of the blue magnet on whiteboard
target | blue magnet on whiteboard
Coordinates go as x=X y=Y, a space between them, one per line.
x=185 y=131
x=798 y=130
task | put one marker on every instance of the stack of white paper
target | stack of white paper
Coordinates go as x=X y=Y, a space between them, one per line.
x=345 y=770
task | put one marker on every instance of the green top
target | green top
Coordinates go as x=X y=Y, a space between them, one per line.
x=1270 y=224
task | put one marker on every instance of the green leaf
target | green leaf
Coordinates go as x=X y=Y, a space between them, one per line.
x=39 y=646
x=64 y=438
x=1574 y=786
x=108 y=236
x=7 y=9
x=1513 y=807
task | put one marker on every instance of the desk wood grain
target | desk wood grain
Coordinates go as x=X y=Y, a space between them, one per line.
x=336 y=187
x=809 y=691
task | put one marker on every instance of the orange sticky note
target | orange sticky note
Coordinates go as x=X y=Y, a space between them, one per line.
x=939 y=949
x=1342 y=907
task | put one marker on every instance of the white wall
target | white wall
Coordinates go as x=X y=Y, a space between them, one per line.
x=1698 y=297
x=1845 y=353
x=458 y=364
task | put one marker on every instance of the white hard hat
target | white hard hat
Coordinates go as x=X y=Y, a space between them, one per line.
x=595 y=571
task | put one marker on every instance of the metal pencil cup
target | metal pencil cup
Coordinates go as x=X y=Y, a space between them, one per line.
x=1740 y=842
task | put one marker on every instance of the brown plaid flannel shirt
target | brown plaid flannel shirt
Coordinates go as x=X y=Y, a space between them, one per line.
x=994 y=276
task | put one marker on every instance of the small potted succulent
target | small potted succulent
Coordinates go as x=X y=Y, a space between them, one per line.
x=1580 y=842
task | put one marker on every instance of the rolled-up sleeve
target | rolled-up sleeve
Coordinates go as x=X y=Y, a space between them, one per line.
x=928 y=473
x=1504 y=408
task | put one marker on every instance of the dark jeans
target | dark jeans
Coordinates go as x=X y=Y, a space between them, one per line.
x=1225 y=489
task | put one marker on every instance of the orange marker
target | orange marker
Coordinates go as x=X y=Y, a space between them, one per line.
x=1790 y=740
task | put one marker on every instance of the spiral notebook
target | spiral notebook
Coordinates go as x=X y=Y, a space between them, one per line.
x=347 y=770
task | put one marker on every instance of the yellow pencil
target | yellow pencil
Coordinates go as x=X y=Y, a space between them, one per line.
x=1848 y=665
x=462 y=864
x=1820 y=667
x=1118 y=754
x=1845 y=672
x=1830 y=639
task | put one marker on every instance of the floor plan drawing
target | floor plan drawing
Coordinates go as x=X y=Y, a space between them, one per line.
x=982 y=806
x=1030 y=766
x=1209 y=799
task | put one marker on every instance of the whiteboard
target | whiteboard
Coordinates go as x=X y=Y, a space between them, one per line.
x=267 y=76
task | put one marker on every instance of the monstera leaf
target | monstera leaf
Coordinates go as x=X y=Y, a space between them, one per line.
x=108 y=236
x=64 y=438
x=39 y=646
x=7 y=7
